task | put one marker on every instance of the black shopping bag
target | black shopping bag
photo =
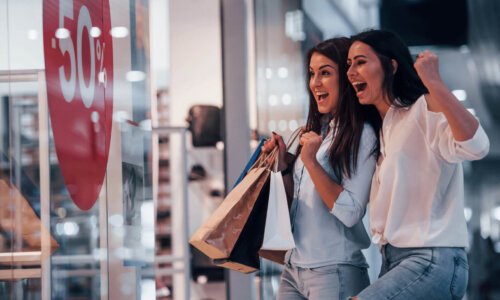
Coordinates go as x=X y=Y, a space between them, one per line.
x=245 y=255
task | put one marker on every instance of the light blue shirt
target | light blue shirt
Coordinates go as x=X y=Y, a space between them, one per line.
x=323 y=237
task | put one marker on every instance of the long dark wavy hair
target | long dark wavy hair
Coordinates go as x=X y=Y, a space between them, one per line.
x=349 y=116
x=404 y=87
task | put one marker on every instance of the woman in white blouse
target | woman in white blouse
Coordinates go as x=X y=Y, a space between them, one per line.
x=331 y=183
x=417 y=197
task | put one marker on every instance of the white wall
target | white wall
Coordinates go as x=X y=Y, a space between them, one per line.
x=25 y=37
x=195 y=56
x=159 y=31
x=195 y=78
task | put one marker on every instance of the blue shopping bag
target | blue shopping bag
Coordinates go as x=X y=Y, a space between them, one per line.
x=250 y=163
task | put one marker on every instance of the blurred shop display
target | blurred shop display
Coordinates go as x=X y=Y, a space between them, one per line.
x=50 y=247
x=205 y=188
x=204 y=125
x=199 y=162
x=15 y=206
x=163 y=230
x=39 y=236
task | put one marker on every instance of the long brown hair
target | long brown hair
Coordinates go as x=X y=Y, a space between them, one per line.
x=350 y=115
x=404 y=86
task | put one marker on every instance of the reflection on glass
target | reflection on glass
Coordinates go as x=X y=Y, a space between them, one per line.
x=50 y=248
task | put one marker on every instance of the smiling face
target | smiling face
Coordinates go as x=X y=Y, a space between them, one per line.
x=324 y=82
x=366 y=74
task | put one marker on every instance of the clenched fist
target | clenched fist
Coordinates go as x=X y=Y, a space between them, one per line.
x=427 y=66
x=310 y=142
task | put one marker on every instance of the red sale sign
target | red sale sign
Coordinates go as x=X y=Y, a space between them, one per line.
x=78 y=50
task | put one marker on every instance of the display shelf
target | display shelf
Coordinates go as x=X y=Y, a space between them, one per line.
x=163 y=230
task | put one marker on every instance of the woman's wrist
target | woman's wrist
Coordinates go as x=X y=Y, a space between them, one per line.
x=311 y=163
x=287 y=170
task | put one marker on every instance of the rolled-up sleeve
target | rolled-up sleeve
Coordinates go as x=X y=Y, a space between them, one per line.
x=473 y=149
x=350 y=206
x=440 y=137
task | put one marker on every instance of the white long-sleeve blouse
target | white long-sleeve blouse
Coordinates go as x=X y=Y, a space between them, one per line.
x=417 y=192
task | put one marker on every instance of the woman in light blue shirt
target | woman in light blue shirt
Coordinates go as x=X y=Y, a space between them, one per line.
x=331 y=175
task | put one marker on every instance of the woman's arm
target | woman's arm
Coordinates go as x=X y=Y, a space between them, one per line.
x=347 y=202
x=462 y=123
x=350 y=207
x=327 y=189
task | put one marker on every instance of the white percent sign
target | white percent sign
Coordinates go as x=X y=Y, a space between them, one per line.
x=66 y=46
x=103 y=77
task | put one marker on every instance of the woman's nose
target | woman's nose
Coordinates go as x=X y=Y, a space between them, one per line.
x=350 y=71
x=316 y=81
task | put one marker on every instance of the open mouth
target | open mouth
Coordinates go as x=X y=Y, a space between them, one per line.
x=321 y=96
x=359 y=86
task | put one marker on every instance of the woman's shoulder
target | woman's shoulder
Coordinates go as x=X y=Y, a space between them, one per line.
x=368 y=135
x=420 y=105
x=368 y=130
x=423 y=113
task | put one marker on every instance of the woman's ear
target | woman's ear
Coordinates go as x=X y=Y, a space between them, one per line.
x=394 y=66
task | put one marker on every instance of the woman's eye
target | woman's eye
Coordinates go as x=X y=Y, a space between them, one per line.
x=311 y=74
x=325 y=73
x=361 y=62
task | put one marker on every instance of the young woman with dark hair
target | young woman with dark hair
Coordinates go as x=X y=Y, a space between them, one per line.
x=330 y=179
x=417 y=198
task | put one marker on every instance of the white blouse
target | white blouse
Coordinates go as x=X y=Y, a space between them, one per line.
x=417 y=193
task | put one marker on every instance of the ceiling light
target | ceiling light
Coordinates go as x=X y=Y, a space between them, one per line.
x=95 y=32
x=62 y=33
x=496 y=213
x=119 y=32
x=135 y=76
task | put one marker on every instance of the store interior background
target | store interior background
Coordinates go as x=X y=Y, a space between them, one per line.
x=245 y=57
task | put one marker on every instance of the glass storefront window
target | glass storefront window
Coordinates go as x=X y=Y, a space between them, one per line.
x=76 y=203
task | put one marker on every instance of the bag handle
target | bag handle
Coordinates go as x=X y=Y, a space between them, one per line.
x=293 y=137
x=266 y=160
x=291 y=140
x=270 y=160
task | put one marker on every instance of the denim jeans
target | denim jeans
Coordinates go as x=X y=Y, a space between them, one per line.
x=328 y=282
x=420 y=273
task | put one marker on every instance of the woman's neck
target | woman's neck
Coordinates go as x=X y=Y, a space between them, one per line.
x=383 y=107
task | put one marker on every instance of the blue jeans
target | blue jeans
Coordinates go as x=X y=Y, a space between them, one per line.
x=328 y=282
x=420 y=273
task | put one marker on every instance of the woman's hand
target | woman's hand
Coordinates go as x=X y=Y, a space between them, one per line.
x=440 y=99
x=270 y=144
x=310 y=142
x=427 y=66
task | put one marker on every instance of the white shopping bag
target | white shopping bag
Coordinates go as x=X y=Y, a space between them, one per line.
x=278 y=231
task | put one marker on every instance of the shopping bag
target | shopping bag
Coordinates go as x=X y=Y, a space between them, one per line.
x=217 y=237
x=278 y=237
x=244 y=257
x=250 y=163
x=278 y=230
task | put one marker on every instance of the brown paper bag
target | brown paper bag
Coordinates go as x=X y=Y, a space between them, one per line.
x=244 y=257
x=13 y=206
x=218 y=235
x=277 y=256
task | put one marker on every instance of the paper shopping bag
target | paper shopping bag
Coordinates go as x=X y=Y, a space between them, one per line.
x=244 y=257
x=278 y=237
x=218 y=235
x=278 y=230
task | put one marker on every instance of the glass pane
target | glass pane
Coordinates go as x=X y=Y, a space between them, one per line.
x=77 y=212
